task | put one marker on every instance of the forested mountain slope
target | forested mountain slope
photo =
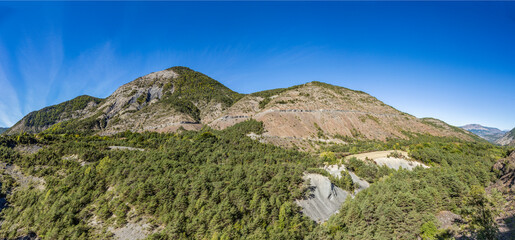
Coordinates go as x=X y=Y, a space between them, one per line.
x=182 y=98
x=41 y=120
x=211 y=184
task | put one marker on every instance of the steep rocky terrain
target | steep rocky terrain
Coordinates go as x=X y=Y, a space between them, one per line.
x=160 y=101
x=488 y=133
x=324 y=198
x=508 y=139
x=182 y=98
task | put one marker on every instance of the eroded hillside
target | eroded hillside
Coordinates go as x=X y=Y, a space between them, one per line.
x=319 y=111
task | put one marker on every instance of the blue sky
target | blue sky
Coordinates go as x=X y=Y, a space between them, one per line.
x=450 y=60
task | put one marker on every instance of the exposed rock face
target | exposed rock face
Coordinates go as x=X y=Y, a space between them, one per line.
x=336 y=171
x=24 y=181
x=508 y=139
x=506 y=168
x=324 y=200
x=488 y=133
x=450 y=221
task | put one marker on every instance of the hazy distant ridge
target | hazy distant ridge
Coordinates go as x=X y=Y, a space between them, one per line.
x=489 y=133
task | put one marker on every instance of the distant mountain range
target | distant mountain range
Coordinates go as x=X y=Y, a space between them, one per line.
x=2 y=130
x=488 y=133
x=180 y=98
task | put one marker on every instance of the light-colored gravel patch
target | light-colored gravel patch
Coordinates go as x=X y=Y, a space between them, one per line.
x=381 y=158
x=397 y=163
x=131 y=231
x=125 y=148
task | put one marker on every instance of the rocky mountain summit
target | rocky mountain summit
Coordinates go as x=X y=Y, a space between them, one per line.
x=180 y=98
x=488 y=133
x=160 y=101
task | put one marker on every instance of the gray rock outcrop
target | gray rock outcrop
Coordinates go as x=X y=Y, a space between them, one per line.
x=324 y=198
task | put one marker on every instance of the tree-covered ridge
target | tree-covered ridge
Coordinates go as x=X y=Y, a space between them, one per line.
x=198 y=87
x=223 y=185
x=277 y=91
x=50 y=115
x=512 y=133
x=39 y=120
x=195 y=93
x=268 y=94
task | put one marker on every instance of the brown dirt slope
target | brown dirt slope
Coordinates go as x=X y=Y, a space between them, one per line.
x=317 y=110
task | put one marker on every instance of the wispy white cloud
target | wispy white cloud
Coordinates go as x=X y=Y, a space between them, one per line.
x=97 y=72
x=9 y=103
x=39 y=63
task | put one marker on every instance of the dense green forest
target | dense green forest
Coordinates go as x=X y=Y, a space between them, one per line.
x=223 y=185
